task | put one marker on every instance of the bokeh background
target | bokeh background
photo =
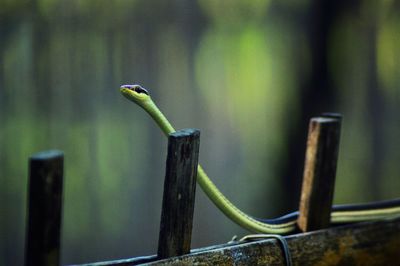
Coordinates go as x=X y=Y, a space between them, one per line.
x=248 y=74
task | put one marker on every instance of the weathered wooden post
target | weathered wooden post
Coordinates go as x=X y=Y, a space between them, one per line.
x=179 y=193
x=319 y=172
x=44 y=208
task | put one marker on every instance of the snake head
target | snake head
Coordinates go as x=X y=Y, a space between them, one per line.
x=135 y=93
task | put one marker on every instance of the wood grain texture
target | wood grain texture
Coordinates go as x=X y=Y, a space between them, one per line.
x=179 y=193
x=44 y=208
x=319 y=173
x=372 y=243
x=368 y=243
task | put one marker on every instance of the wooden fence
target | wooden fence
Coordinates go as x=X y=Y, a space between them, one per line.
x=316 y=243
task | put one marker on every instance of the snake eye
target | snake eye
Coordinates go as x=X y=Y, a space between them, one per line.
x=140 y=90
x=136 y=88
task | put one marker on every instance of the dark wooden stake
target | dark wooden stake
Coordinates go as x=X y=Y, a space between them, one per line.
x=319 y=173
x=179 y=193
x=44 y=208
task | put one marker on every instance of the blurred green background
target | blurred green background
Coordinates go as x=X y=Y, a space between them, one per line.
x=248 y=74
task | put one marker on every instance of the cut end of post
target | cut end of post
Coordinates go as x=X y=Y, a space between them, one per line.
x=332 y=115
x=187 y=132
x=47 y=155
x=324 y=120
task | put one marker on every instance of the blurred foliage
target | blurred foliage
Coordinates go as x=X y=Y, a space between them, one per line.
x=234 y=69
x=237 y=64
x=237 y=12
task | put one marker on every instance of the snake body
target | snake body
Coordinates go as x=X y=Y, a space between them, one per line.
x=282 y=225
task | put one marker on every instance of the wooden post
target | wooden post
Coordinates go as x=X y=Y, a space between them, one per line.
x=319 y=173
x=179 y=193
x=44 y=208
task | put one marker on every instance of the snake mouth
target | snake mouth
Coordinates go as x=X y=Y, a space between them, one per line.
x=136 y=88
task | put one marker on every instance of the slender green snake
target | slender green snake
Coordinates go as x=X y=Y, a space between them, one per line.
x=282 y=225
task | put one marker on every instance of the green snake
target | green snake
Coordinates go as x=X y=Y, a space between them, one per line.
x=282 y=225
